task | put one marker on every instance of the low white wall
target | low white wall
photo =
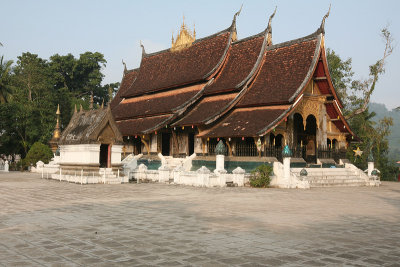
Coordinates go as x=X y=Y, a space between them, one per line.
x=203 y=177
x=80 y=154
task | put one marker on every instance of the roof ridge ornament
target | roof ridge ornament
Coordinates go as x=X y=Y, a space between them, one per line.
x=322 y=27
x=233 y=25
x=269 y=28
x=143 y=51
x=125 y=69
x=236 y=14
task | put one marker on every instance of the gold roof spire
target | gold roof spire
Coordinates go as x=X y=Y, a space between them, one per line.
x=57 y=132
x=184 y=38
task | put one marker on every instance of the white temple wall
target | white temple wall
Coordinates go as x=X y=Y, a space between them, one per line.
x=80 y=154
x=153 y=143
x=116 y=152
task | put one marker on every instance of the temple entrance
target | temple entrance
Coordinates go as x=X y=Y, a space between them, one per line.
x=191 y=143
x=165 y=144
x=311 y=133
x=305 y=136
x=105 y=156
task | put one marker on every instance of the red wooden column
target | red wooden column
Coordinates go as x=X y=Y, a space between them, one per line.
x=109 y=156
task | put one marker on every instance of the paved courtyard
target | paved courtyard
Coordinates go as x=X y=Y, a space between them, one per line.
x=50 y=223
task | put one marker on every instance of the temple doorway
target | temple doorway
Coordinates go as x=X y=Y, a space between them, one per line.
x=311 y=133
x=105 y=157
x=191 y=143
x=165 y=144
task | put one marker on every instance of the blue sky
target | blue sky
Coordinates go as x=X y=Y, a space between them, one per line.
x=116 y=27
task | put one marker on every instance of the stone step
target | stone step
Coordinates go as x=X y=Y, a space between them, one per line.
x=338 y=184
x=350 y=177
x=335 y=181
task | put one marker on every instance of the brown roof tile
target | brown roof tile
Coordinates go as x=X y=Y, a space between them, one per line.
x=126 y=82
x=283 y=72
x=140 y=125
x=206 y=108
x=154 y=104
x=241 y=59
x=167 y=69
x=245 y=122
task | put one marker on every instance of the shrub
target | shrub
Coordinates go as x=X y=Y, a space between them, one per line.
x=260 y=177
x=38 y=152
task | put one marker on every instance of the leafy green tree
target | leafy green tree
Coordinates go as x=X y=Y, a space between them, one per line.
x=5 y=74
x=355 y=95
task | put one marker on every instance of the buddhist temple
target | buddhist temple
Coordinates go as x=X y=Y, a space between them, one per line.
x=254 y=95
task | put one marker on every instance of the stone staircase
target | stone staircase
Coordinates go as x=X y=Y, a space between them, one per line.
x=331 y=177
x=108 y=176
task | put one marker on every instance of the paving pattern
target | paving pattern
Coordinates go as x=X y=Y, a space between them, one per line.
x=50 y=223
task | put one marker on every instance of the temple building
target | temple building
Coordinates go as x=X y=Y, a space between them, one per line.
x=254 y=95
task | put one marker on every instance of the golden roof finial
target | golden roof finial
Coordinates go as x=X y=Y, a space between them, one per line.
x=184 y=38
x=194 y=31
x=75 y=110
x=57 y=133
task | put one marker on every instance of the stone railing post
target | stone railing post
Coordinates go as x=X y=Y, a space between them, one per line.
x=220 y=150
x=238 y=176
x=286 y=154
x=203 y=176
x=141 y=172
x=6 y=166
x=163 y=174
x=371 y=164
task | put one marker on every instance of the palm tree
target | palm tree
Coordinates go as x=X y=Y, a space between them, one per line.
x=5 y=69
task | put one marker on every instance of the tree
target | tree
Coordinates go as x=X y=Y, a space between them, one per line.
x=355 y=95
x=5 y=73
x=367 y=87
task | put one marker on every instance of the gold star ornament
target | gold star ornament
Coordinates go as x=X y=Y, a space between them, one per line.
x=357 y=152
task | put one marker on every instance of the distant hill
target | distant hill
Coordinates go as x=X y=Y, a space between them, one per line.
x=394 y=138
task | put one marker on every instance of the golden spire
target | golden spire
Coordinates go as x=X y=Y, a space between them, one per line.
x=81 y=108
x=184 y=38
x=75 y=110
x=57 y=133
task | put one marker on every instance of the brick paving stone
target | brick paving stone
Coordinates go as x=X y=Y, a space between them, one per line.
x=50 y=223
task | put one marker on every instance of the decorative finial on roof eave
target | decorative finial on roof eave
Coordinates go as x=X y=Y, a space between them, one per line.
x=269 y=28
x=143 y=51
x=234 y=17
x=102 y=104
x=58 y=109
x=75 y=110
x=91 y=101
x=80 y=108
x=125 y=69
x=322 y=27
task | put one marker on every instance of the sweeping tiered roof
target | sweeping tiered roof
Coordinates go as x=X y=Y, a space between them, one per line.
x=170 y=80
x=286 y=71
x=230 y=88
x=242 y=58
